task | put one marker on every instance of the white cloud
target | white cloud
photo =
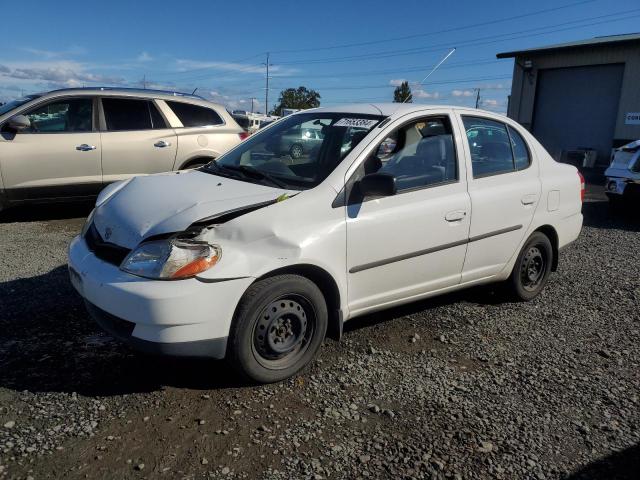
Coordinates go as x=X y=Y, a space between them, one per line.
x=144 y=57
x=490 y=102
x=49 y=75
x=396 y=82
x=186 y=65
x=463 y=93
x=73 y=50
x=421 y=93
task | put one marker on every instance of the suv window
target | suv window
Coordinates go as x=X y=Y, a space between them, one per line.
x=68 y=115
x=419 y=154
x=195 y=115
x=130 y=114
x=495 y=148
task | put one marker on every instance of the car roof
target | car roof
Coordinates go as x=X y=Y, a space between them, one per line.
x=128 y=92
x=393 y=109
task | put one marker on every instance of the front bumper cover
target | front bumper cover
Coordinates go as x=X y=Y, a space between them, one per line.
x=123 y=330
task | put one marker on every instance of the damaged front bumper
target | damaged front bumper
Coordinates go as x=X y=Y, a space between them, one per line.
x=182 y=317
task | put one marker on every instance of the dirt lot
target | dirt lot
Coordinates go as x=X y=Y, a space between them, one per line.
x=463 y=386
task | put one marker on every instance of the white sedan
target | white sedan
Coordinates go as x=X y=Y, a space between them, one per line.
x=257 y=256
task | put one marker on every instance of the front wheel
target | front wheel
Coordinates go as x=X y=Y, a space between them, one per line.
x=278 y=328
x=532 y=268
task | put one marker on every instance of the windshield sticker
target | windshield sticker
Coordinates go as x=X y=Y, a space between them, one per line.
x=356 y=122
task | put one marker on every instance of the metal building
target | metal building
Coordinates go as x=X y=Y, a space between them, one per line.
x=579 y=96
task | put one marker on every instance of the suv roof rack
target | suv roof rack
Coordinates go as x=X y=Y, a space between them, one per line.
x=132 y=90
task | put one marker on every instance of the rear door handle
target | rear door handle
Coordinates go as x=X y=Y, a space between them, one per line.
x=85 y=148
x=529 y=199
x=455 y=216
x=162 y=144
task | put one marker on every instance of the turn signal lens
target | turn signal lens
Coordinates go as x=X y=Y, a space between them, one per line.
x=582 y=188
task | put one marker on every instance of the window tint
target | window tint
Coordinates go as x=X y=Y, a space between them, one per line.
x=489 y=145
x=419 y=154
x=126 y=114
x=520 y=150
x=194 y=115
x=69 y=115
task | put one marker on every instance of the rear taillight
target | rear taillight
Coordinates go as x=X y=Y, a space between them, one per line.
x=243 y=135
x=581 y=187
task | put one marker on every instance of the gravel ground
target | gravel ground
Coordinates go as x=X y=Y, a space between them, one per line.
x=462 y=386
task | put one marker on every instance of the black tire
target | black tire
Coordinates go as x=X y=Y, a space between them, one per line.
x=296 y=151
x=277 y=329
x=196 y=164
x=532 y=268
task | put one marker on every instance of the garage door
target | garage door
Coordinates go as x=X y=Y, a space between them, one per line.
x=577 y=108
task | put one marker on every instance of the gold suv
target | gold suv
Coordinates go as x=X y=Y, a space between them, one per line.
x=68 y=144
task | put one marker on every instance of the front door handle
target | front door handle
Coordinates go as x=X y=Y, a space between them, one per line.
x=162 y=144
x=455 y=216
x=85 y=147
x=529 y=199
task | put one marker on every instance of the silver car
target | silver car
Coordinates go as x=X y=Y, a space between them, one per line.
x=623 y=175
x=68 y=144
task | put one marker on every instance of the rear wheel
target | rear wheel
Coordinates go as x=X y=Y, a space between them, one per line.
x=278 y=328
x=532 y=268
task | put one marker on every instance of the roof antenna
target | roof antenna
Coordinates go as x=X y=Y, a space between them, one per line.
x=432 y=70
x=194 y=91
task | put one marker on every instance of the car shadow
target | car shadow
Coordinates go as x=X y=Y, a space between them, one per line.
x=599 y=214
x=491 y=294
x=48 y=343
x=622 y=465
x=40 y=212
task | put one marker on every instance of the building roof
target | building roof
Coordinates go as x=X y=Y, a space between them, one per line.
x=596 y=41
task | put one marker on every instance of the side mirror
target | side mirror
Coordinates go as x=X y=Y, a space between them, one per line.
x=378 y=185
x=18 y=123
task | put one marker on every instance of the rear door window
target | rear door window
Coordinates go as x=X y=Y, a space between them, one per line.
x=122 y=114
x=490 y=146
x=195 y=115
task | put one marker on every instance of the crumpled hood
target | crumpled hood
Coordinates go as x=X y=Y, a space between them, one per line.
x=170 y=202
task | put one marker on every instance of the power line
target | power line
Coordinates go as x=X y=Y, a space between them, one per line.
x=437 y=32
x=441 y=82
x=468 y=42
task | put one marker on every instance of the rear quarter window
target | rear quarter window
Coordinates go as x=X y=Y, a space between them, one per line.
x=195 y=115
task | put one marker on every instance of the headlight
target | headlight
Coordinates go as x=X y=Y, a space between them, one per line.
x=87 y=223
x=171 y=259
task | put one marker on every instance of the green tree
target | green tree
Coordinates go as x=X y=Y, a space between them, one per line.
x=300 y=97
x=402 y=93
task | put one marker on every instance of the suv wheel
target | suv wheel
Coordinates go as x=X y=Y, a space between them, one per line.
x=296 y=151
x=532 y=268
x=278 y=328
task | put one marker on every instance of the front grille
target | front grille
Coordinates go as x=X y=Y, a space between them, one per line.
x=106 y=251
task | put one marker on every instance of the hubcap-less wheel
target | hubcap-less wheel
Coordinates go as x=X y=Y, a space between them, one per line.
x=296 y=151
x=282 y=333
x=533 y=268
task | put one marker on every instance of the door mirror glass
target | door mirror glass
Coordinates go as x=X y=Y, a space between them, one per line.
x=18 y=123
x=378 y=185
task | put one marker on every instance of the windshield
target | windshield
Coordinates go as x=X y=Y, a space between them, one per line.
x=7 y=107
x=298 y=152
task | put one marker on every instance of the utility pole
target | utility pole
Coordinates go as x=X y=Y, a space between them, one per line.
x=252 y=99
x=266 y=91
x=477 y=97
x=144 y=81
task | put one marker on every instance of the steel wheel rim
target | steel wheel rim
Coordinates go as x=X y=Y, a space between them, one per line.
x=283 y=332
x=296 y=151
x=533 y=268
